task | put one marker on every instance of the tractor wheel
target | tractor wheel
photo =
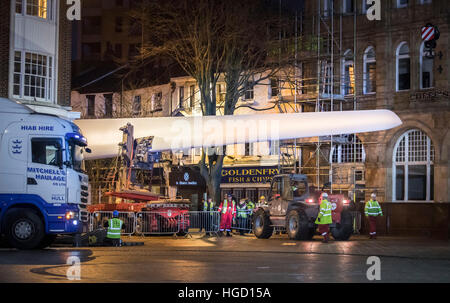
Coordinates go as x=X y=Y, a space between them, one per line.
x=24 y=229
x=344 y=230
x=261 y=225
x=47 y=241
x=297 y=226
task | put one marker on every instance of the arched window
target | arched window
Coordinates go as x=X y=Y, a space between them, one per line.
x=426 y=69
x=403 y=67
x=412 y=168
x=370 y=71
x=348 y=75
x=348 y=152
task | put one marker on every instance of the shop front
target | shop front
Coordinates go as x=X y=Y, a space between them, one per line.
x=189 y=183
x=249 y=182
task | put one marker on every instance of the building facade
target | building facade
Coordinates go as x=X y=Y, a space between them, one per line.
x=361 y=65
x=35 y=51
x=384 y=64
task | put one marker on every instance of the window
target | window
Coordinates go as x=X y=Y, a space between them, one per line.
x=276 y=187
x=157 y=101
x=90 y=105
x=36 y=8
x=221 y=93
x=91 y=51
x=370 y=71
x=19 y=6
x=327 y=76
x=425 y=1
x=348 y=6
x=137 y=105
x=327 y=6
x=46 y=151
x=119 y=3
x=297 y=189
x=118 y=51
x=33 y=78
x=274 y=147
x=274 y=87
x=412 y=168
x=134 y=50
x=92 y=25
x=348 y=152
x=119 y=24
x=402 y=3
x=108 y=105
x=248 y=95
x=181 y=97
x=248 y=149
x=364 y=6
x=426 y=69
x=348 y=76
x=403 y=67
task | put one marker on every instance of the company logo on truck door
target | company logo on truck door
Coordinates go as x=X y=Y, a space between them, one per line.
x=48 y=174
x=16 y=147
x=42 y=128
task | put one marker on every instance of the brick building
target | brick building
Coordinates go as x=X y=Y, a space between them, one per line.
x=35 y=51
x=383 y=64
x=105 y=33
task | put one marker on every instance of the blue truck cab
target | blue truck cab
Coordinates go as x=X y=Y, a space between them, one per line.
x=43 y=188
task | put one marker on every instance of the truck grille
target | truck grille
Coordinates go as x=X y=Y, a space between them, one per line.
x=84 y=215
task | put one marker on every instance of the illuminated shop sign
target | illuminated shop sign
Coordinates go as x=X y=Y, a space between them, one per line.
x=260 y=174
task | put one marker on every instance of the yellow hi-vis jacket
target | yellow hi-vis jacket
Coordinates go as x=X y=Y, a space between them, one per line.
x=373 y=208
x=324 y=216
x=208 y=206
x=114 y=228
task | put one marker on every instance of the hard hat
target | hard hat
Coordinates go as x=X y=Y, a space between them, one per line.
x=262 y=198
x=115 y=214
x=324 y=195
x=373 y=196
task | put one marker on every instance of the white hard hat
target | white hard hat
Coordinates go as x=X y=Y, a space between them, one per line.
x=373 y=196
x=325 y=195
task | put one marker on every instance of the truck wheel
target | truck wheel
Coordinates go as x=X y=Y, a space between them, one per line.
x=261 y=225
x=297 y=226
x=47 y=241
x=24 y=229
x=344 y=230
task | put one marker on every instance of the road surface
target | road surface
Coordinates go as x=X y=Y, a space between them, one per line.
x=237 y=259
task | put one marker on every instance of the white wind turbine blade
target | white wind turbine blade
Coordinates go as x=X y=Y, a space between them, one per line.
x=176 y=133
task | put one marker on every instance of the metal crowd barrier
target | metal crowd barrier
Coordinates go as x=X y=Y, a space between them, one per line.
x=243 y=221
x=168 y=222
x=356 y=219
x=202 y=221
x=98 y=219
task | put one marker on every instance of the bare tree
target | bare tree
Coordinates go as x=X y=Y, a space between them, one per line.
x=211 y=38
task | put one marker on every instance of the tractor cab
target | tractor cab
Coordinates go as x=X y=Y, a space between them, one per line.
x=286 y=191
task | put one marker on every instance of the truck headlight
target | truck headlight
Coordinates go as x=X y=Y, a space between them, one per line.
x=70 y=215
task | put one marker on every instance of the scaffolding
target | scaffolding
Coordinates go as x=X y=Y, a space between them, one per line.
x=329 y=89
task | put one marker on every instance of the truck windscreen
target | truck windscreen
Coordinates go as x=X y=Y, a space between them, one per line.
x=75 y=155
